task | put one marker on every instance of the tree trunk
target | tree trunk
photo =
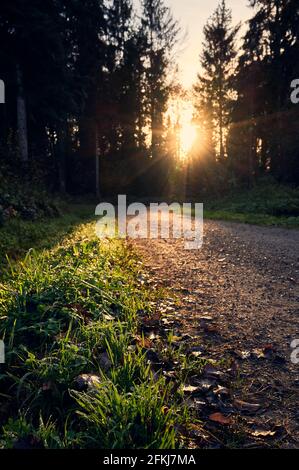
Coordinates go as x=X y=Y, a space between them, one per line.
x=221 y=124
x=221 y=137
x=22 y=117
x=88 y=151
x=97 y=165
x=61 y=136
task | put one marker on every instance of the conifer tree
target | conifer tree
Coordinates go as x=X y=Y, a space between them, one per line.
x=215 y=85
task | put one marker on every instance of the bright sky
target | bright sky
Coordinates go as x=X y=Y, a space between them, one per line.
x=193 y=15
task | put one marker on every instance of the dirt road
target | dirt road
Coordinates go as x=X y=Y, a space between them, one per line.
x=239 y=303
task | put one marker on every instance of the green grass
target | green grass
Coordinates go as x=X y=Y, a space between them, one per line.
x=267 y=204
x=254 y=219
x=68 y=310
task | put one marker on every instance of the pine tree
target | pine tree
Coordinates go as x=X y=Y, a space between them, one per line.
x=214 y=85
x=161 y=32
x=267 y=66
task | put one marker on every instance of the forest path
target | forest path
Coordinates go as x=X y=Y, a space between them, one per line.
x=239 y=302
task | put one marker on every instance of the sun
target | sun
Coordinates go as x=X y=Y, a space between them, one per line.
x=188 y=135
x=180 y=114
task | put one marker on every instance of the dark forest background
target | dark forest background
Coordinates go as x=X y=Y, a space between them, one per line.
x=88 y=84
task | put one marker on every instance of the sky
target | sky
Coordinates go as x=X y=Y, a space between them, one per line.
x=192 y=16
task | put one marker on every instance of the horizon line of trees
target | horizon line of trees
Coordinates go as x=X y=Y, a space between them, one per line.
x=88 y=84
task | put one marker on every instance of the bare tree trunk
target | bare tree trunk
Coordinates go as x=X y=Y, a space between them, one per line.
x=221 y=126
x=98 y=189
x=221 y=135
x=61 y=144
x=89 y=142
x=22 y=117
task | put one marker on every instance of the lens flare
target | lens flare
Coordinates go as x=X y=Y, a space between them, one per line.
x=188 y=136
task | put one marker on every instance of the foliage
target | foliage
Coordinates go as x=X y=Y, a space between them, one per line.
x=247 y=98
x=268 y=203
x=263 y=137
x=103 y=87
x=214 y=89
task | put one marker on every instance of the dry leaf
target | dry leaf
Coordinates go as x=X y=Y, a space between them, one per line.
x=108 y=317
x=243 y=354
x=258 y=354
x=196 y=353
x=244 y=406
x=190 y=389
x=262 y=433
x=87 y=382
x=220 y=418
x=221 y=390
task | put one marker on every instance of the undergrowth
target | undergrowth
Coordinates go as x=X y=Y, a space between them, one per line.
x=268 y=203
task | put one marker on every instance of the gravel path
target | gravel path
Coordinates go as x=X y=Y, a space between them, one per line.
x=239 y=298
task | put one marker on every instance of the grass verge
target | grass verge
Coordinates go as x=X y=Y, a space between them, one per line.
x=267 y=204
x=76 y=373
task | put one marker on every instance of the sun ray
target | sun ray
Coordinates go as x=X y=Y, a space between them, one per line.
x=188 y=135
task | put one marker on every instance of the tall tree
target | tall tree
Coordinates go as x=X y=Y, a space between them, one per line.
x=215 y=83
x=161 y=32
x=89 y=33
x=266 y=69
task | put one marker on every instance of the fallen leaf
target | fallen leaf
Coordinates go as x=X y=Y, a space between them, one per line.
x=196 y=403
x=152 y=336
x=143 y=341
x=262 y=433
x=258 y=354
x=171 y=374
x=242 y=354
x=220 y=418
x=165 y=321
x=190 y=389
x=87 y=382
x=244 y=406
x=221 y=390
x=108 y=317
